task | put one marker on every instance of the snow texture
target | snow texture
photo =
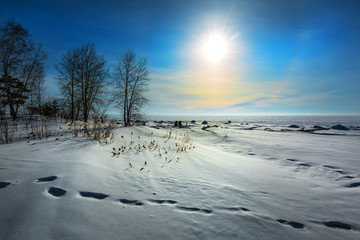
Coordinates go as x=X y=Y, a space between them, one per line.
x=230 y=183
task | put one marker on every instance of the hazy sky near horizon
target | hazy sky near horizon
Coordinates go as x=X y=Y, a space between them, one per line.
x=283 y=57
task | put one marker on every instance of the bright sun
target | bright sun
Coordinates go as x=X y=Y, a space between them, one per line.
x=215 y=48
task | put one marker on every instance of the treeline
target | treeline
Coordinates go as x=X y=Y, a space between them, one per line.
x=87 y=84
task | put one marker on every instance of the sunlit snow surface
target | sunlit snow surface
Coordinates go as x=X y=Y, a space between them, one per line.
x=236 y=183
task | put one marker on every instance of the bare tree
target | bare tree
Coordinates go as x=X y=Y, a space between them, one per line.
x=92 y=74
x=81 y=76
x=130 y=79
x=67 y=79
x=36 y=80
x=20 y=61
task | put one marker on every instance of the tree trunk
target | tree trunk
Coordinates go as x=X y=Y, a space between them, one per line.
x=85 y=116
x=125 y=121
x=77 y=112
x=85 y=110
x=126 y=101
x=16 y=110
x=12 y=111
x=128 y=118
x=72 y=100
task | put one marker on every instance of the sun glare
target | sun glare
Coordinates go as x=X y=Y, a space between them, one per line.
x=215 y=48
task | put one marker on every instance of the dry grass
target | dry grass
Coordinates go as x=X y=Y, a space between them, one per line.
x=96 y=129
x=166 y=151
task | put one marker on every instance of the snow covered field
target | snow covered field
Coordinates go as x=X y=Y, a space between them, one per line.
x=225 y=182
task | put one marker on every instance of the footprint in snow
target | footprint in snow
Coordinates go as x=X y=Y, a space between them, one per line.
x=194 y=209
x=158 y=201
x=331 y=167
x=234 y=209
x=298 y=163
x=345 y=177
x=291 y=223
x=336 y=224
x=131 y=202
x=304 y=165
x=46 y=179
x=340 y=171
x=292 y=160
x=95 y=195
x=353 y=185
x=4 y=184
x=56 y=192
x=336 y=169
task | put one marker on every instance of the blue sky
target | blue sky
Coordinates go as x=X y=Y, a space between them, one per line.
x=283 y=57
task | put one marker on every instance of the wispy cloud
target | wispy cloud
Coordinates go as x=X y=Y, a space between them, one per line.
x=220 y=91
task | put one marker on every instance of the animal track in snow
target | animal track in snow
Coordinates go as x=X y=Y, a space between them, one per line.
x=56 y=192
x=46 y=179
x=95 y=195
